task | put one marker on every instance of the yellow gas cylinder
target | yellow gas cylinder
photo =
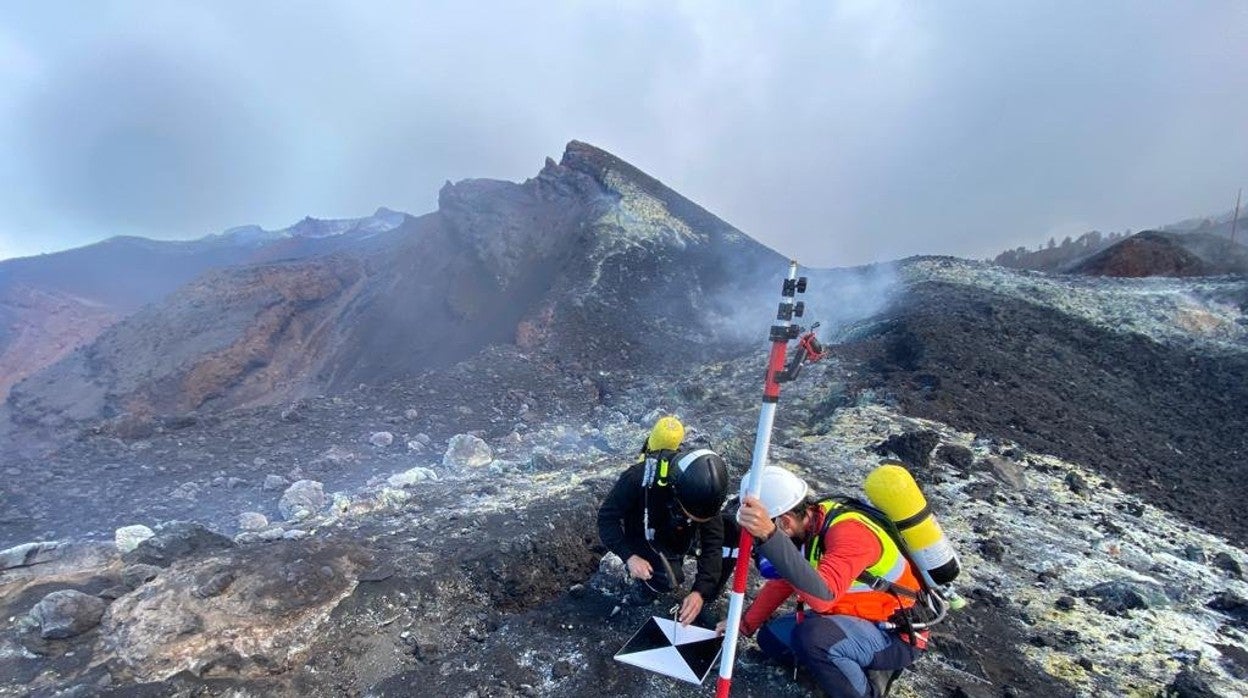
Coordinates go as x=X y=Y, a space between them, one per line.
x=892 y=490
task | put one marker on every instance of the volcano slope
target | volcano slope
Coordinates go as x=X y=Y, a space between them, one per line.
x=54 y=303
x=1145 y=381
x=591 y=260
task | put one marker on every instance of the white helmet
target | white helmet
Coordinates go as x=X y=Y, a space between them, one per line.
x=781 y=491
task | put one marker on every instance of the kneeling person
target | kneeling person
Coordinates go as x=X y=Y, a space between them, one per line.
x=847 y=571
x=656 y=513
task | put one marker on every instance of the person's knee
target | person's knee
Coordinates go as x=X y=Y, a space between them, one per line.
x=816 y=638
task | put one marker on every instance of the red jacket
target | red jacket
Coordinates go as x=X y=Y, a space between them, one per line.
x=849 y=548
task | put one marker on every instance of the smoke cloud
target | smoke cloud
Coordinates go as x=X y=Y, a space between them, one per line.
x=837 y=133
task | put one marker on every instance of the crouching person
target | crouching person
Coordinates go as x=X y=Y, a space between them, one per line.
x=659 y=510
x=848 y=574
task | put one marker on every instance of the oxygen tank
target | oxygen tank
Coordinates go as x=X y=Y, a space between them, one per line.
x=892 y=490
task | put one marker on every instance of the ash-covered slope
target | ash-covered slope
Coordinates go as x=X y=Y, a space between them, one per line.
x=1141 y=380
x=54 y=303
x=1154 y=253
x=591 y=260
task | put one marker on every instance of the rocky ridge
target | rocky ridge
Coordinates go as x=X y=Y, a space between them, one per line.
x=572 y=262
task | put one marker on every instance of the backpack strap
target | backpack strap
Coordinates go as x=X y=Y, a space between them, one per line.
x=832 y=508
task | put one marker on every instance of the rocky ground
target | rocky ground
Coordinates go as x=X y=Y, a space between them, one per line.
x=455 y=567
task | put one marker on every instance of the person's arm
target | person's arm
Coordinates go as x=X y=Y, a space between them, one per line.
x=773 y=594
x=788 y=561
x=710 y=558
x=622 y=499
x=850 y=547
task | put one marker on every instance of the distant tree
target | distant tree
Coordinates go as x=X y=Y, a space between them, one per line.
x=1066 y=242
x=1052 y=243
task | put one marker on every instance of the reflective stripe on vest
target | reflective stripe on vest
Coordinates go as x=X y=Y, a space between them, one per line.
x=891 y=564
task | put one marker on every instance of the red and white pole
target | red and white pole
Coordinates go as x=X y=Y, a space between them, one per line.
x=780 y=337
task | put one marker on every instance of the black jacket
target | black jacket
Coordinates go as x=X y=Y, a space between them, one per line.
x=621 y=528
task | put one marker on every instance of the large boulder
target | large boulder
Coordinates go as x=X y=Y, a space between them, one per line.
x=127 y=538
x=247 y=613
x=466 y=451
x=67 y=613
x=174 y=541
x=302 y=500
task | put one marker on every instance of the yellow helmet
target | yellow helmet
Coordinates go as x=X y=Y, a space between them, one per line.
x=666 y=435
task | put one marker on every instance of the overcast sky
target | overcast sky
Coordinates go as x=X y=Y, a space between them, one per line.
x=837 y=132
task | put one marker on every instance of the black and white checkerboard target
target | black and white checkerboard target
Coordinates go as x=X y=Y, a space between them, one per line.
x=681 y=652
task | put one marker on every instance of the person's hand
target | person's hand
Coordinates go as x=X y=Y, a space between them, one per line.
x=755 y=518
x=722 y=627
x=690 y=608
x=638 y=568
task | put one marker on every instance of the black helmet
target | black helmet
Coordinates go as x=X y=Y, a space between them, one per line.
x=701 y=485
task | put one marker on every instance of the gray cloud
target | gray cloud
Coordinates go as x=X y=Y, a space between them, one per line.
x=839 y=133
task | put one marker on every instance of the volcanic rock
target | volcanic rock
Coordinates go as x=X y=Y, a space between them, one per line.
x=992 y=549
x=1115 y=598
x=176 y=540
x=303 y=499
x=1188 y=684
x=410 y=477
x=66 y=613
x=381 y=439
x=135 y=576
x=252 y=521
x=127 y=537
x=215 y=585
x=960 y=457
x=1007 y=472
x=29 y=554
x=1232 y=605
x=1076 y=482
x=912 y=448
x=466 y=451
x=274 y=482
x=250 y=625
x=1230 y=565
x=337 y=455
